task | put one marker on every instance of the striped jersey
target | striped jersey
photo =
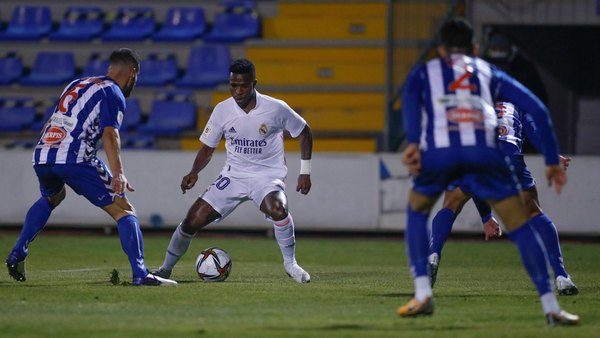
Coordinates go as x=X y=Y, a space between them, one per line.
x=449 y=103
x=513 y=126
x=85 y=108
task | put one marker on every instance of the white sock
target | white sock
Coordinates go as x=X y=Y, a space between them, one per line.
x=179 y=244
x=284 y=234
x=549 y=303
x=422 y=288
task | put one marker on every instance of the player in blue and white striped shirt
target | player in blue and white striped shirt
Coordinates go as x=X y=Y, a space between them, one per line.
x=513 y=125
x=89 y=109
x=450 y=123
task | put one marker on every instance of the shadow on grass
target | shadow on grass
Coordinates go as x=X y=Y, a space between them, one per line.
x=402 y=325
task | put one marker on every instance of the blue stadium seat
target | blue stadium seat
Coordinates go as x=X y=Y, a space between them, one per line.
x=28 y=23
x=207 y=66
x=238 y=6
x=48 y=107
x=133 y=114
x=182 y=24
x=158 y=69
x=234 y=27
x=80 y=23
x=170 y=117
x=16 y=114
x=11 y=68
x=131 y=24
x=136 y=141
x=51 y=68
x=97 y=65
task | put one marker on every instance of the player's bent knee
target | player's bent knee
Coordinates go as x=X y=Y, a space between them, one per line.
x=57 y=198
x=120 y=208
x=200 y=215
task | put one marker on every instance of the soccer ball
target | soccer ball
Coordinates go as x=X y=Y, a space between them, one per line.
x=213 y=265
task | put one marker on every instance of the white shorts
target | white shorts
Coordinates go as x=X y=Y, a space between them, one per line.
x=226 y=193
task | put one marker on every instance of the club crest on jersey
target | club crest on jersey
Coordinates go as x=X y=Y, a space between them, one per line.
x=54 y=135
x=502 y=130
x=462 y=115
x=263 y=129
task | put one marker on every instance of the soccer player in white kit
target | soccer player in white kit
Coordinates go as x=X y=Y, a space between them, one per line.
x=252 y=125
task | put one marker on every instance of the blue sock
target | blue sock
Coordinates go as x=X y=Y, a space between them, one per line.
x=547 y=231
x=35 y=220
x=533 y=256
x=441 y=226
x=132 y=243
x=417 y=242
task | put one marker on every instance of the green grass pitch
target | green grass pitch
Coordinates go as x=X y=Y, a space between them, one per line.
x=482 y=291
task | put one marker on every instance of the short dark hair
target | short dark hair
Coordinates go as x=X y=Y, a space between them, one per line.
x=125 y=56
x=458 y=33
x=243 y=66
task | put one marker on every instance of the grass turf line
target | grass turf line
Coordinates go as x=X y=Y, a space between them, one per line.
x=482 y=291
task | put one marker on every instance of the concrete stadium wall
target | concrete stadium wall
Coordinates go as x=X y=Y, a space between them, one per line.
x=350 y=193
x=344 y=194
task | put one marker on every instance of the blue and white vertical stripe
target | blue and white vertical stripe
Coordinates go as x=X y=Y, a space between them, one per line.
x=77 y=119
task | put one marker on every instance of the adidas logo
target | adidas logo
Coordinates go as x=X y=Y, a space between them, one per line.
x=232 y=130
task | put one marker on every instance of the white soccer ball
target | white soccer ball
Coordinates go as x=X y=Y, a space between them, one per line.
x=213 y=265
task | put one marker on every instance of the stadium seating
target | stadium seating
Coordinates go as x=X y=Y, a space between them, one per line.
x=131 y=24
x=16 y=114
x=39 y=122
x=182 y=24
x=158 y=69
x=51 y=68
x=136 y=141
x=207 y=66
x=234 y=27
x=238 y=6
x=96 y=65
x=133 y=114
x=170 y=114
x=80 y=23
x=28 y=23
x=11 y=68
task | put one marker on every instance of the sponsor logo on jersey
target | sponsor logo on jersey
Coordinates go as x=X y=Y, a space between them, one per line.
x=502 y=130
x=461 y=115
x=246 y=146
x=54 y=135
x=232 y=130
x=120 y=117
x=263 y=129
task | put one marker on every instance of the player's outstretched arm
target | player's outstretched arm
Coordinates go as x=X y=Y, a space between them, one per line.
x=564 y=161
x=202 y=158
x=411 y=157
x=556 y=176
x=112 y=147
x=492 y=229
x=306 y=143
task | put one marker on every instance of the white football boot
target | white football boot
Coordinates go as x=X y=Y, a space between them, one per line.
x=565 y=286
x=297 y=273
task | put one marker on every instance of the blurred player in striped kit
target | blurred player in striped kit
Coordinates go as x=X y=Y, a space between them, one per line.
x=451 y=128
x=511 y=125
x=89 y=110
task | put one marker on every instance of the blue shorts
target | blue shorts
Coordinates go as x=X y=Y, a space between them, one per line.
x=486 y=172
x=522 y=172
x=92 y=180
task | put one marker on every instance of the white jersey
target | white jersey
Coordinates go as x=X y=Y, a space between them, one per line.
x=254 y=140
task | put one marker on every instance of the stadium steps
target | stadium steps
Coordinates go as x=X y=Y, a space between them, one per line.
x=337 y=144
